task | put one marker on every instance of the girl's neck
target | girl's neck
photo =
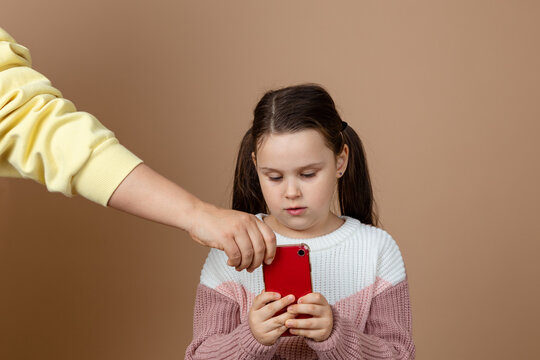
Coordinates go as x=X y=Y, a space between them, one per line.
x=324 y=227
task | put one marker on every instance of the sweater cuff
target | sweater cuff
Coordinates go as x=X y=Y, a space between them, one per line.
x=251 y=346
x=104 y=171
x=335 y=338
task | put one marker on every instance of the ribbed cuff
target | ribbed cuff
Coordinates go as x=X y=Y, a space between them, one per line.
x=251 y=346
x=104 y=171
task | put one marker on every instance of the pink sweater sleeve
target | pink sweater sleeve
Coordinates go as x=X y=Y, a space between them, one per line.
x=218 y=332
x=388 y=333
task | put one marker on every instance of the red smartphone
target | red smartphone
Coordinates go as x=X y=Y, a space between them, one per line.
x=289 y=273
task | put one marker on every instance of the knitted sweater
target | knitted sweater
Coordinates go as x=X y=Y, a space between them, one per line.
x=360 y=271
x=43 y=137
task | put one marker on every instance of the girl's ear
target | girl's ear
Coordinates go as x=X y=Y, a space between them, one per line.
x=342 y=160
x=254 y=159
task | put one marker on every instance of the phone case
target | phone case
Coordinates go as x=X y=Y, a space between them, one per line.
x=289 y=273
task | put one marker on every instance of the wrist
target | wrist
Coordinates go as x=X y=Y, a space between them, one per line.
x=192 y=208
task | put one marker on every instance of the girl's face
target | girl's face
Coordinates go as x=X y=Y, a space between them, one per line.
x=298 y=175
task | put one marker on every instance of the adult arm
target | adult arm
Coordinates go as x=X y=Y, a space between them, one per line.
x=243 y=237
x=43 y=137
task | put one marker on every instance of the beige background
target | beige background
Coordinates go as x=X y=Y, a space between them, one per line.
x=445 y=96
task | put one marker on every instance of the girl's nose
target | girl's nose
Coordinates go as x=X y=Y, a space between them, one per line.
x=293 y=190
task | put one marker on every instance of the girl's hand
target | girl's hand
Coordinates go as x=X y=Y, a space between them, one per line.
x=319 y=326
x=266 y=327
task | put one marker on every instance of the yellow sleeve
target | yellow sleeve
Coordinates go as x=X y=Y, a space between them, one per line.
x=43 y=137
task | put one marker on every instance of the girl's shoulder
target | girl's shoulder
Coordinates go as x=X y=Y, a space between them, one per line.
x=216 y=271
x=371 y=233
x=383 y=249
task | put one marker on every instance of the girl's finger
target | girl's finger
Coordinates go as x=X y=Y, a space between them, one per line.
x=272 y=308
x=311 y=323
x=313 y=298
x=307 y=309
x=277 y=332
x=312 y=334
x=282 y=318
x=276 y=322
x=264 y=298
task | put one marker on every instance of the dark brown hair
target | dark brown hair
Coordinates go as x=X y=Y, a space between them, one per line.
x=293 y=109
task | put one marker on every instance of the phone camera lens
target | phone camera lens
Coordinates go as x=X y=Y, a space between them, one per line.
x=301 y=252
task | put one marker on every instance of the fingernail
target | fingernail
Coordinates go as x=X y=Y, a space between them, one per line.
x=268 y=261
x=290 y=297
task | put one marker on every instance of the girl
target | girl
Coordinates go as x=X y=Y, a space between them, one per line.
x=292 y=160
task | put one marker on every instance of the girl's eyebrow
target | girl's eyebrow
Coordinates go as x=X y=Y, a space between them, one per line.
x=313 y=165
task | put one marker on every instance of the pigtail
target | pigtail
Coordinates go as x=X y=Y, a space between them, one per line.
x=247 y=193
x=354 y=187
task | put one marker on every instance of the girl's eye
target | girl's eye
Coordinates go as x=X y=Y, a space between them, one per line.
x=274 y=178
x=308 y=175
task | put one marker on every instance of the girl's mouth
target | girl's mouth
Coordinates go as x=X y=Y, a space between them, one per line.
x=296 y=211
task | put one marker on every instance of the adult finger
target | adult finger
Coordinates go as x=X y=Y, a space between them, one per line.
x=258 y=245
x=232 y=251
x=269 y=240
x=246 y=249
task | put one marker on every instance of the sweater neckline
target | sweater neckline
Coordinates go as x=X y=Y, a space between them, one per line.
x=320 y=242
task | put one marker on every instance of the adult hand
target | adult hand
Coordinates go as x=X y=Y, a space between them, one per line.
x=319 y=326
x=266 y=327
x=246 y=240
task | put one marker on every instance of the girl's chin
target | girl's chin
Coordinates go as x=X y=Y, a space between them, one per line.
x=295 y=224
